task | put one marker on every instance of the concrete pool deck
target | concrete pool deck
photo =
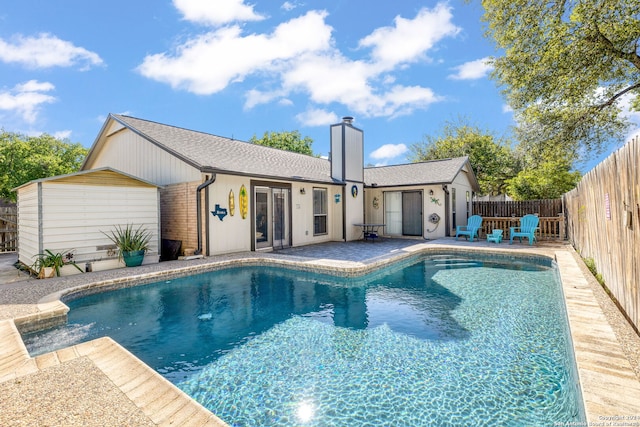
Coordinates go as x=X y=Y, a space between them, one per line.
x=100 y=383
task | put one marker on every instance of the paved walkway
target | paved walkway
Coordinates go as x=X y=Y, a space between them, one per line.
x=100 y=383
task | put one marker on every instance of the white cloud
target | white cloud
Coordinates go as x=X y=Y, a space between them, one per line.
x=216 y=12
x=255 y=97
x=317 y=117
x=472 y=70
x=403 y=100
x=330 y=78
x=62 y=134
x=26 y=98
x=339 y=79
x=300 y=57
x=389 y=151
x=209 y=63
x=410 y=39
x=34 y=86
x=290 y=5
x=506 y=108
x=45 y=51
x=632 y=116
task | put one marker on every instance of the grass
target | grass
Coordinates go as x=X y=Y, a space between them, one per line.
x=591 y=265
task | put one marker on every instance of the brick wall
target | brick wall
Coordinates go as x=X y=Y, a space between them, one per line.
x=178 y=214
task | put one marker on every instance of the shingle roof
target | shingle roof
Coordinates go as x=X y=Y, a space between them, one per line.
x=211 y=152
x=424 y=173
x=105 y=173
x=208 y=152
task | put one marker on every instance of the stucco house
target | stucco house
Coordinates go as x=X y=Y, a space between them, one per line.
x=221 y=195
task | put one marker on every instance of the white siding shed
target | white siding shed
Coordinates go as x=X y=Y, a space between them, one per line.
x=69 y=213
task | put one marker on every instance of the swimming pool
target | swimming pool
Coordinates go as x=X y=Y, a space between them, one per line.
x=440 y=340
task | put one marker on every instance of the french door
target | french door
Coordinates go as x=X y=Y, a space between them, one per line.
x=272 y=217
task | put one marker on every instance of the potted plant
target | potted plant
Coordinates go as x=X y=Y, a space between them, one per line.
x=48 y=263
x=132 y=243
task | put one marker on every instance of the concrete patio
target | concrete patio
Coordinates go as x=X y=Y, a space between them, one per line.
x=100 y=383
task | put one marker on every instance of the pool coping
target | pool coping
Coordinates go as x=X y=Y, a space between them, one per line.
x=609 y=385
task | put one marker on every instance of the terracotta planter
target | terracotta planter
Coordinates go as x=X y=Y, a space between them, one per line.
x=133 y=258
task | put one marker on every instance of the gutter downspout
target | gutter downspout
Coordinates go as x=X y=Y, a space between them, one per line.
x=208 y=182
x=344 y=212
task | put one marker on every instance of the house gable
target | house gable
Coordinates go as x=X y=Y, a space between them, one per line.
x=122 y=148
x=423 y=173
x=203 y=153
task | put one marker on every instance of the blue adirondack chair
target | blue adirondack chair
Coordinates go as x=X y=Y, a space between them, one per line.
x=495 y=236
x=528 y=227
x=471 y=229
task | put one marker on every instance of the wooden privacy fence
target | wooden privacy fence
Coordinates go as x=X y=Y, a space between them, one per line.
x=8 y=228
x=544 y=208
x=551 y=228
x=603 y=223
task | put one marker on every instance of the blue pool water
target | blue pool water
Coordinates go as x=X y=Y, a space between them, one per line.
x=442 y=340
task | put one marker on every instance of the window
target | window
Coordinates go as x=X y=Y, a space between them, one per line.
x=319 y=211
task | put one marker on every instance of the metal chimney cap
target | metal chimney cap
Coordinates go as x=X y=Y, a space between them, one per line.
x=347 y=119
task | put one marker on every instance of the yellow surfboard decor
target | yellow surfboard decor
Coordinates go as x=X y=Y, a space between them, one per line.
x=232 y=203
x=243 y=200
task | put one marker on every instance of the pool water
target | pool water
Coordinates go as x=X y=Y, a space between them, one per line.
x=442 y=340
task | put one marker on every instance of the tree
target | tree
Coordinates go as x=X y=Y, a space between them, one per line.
x=549 y=180
x=25 y=158
x=569 y=68
x=492 y=160
x=289 y=141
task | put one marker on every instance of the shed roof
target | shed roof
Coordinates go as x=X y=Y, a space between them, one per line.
x=424 y=173
x=99 y=176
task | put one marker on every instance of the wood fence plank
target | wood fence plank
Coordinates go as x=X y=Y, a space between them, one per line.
x=603 y=223
x=8 y=228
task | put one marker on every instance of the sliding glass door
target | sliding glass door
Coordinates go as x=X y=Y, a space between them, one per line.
x=272 y=217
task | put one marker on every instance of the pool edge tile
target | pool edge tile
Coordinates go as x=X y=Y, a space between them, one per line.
x=589 y=355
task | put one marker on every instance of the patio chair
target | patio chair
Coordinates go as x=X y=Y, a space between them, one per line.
x=528 y=227
x=471 y=229
x=495 y=236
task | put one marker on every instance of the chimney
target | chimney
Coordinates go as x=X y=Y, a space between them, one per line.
x=347 y=151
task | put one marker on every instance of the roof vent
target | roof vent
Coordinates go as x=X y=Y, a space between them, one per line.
x=347 y=119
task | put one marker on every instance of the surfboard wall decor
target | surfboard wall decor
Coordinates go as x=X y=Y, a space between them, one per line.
x=243 y=200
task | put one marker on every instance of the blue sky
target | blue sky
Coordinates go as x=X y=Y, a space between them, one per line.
x=237 y=69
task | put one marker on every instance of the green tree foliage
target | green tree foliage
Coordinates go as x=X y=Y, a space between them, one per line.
x=548 y=180
x=25 y=158
x=492 y=160
x=289 y=141
x=567 y=67
x=547 y=172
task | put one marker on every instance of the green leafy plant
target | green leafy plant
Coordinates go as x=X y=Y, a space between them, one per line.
x=49 y=259
x=128 y=239
x=591 y=265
